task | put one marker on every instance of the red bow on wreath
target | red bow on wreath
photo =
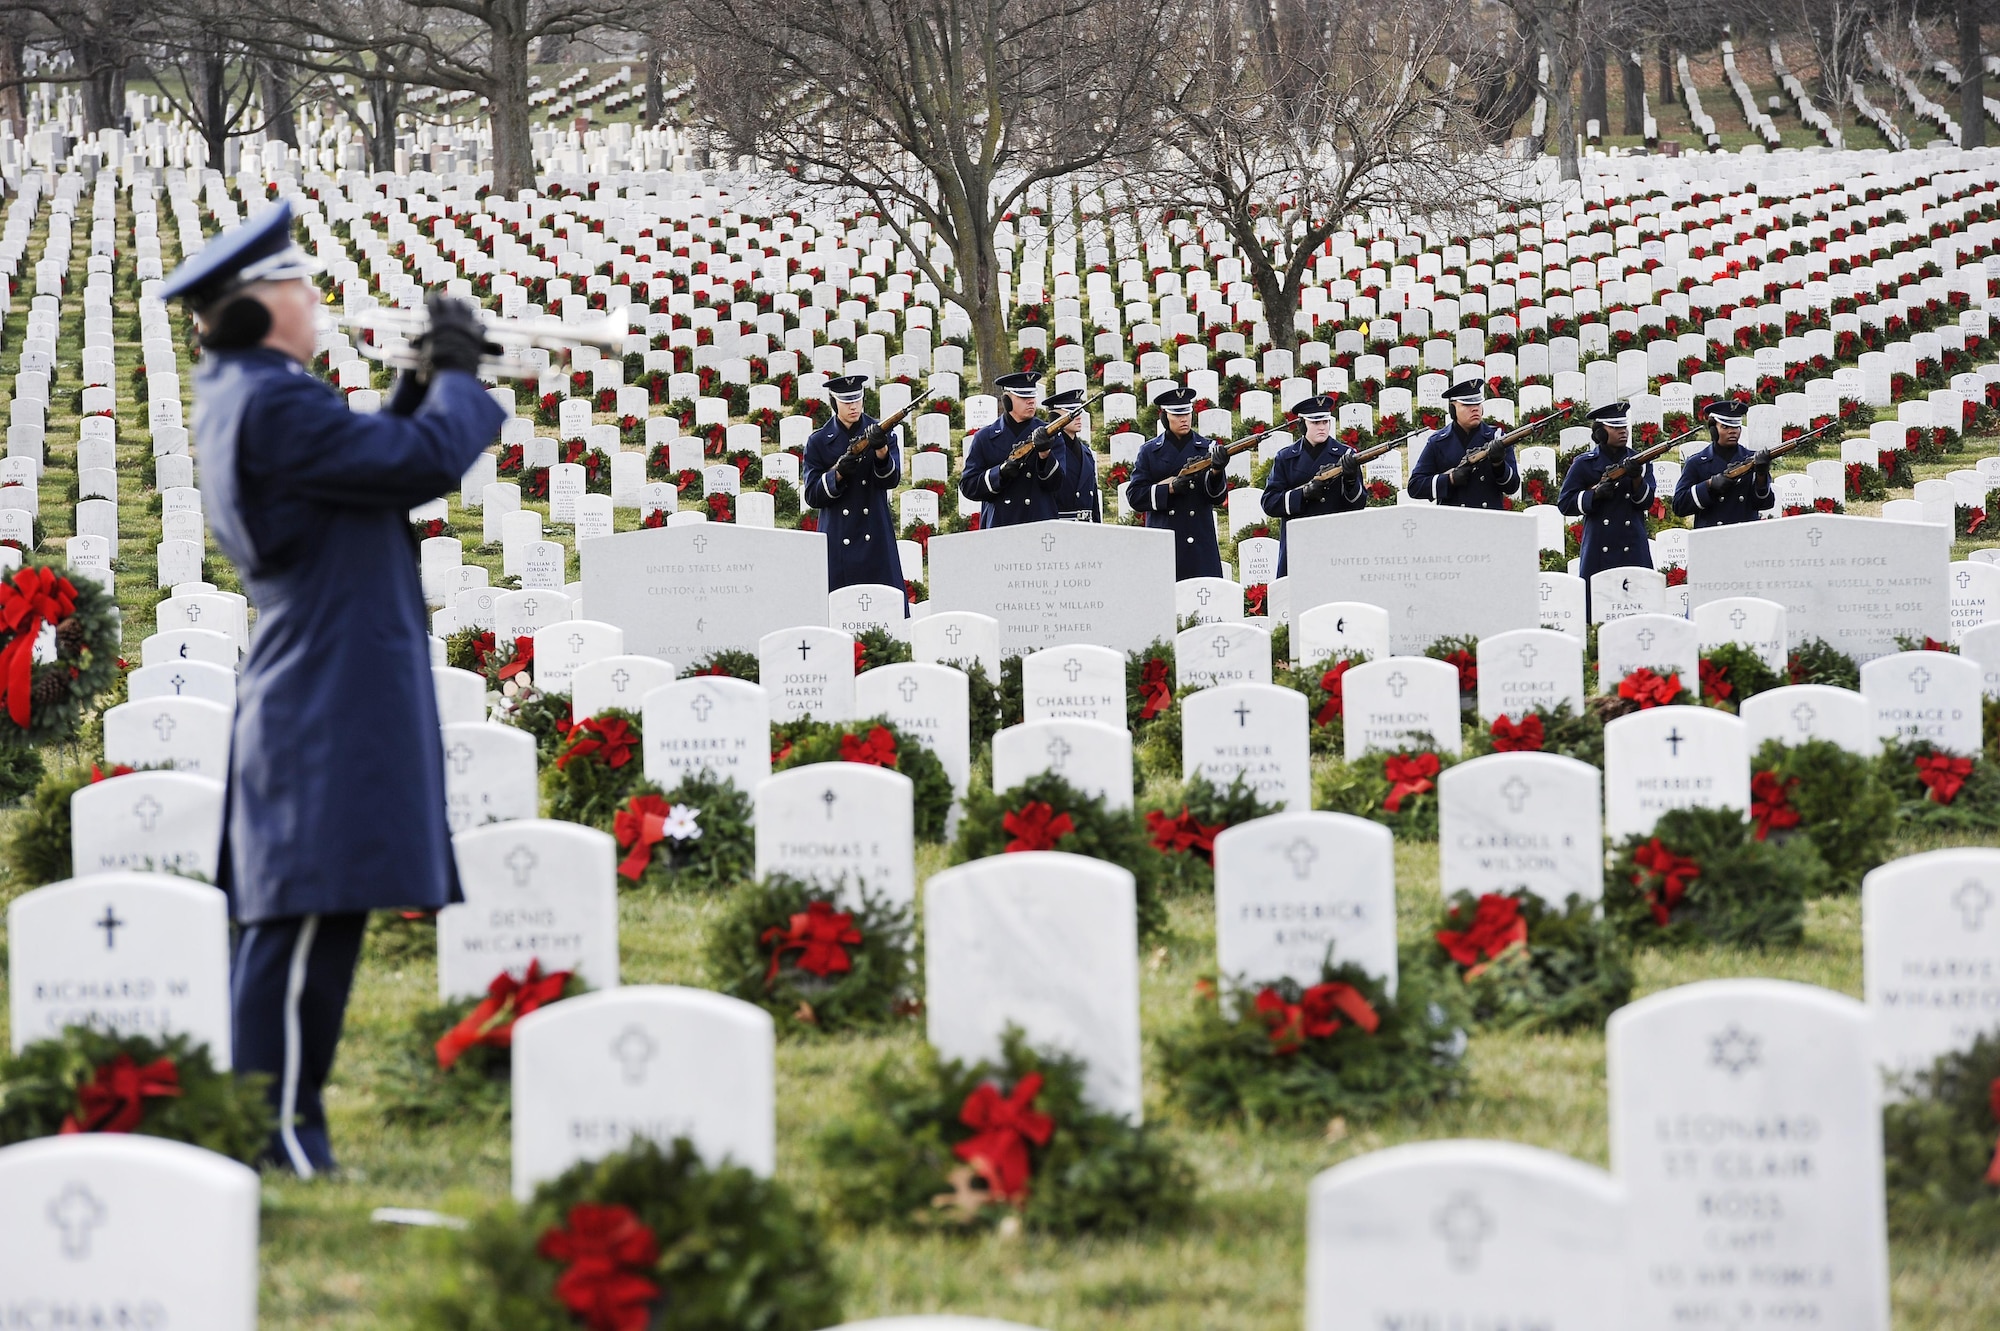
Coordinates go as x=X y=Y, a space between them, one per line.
x=1771 y=803
x=32 y=596
x=1715 y=679
x=877 y=750
x=609 y=737
x=1155 y=694
x=1256 y=598
x=860 y=656
x=1524 y=736
x=1675 y=872
x=115 y=1101
x=1004 y=1125
x=507 y=1001
x=117 y=769
x=1497 y=925
x=1943 y=775
x=1174 y=834
x=1331 y=683
x=1408 y=777
x=524 y=656
x=638 y=827
x=1036 y=826
x=1468 y=669
x=608 y=1249
x=1315 y=1016
x=821 y=937
x=1648 y=689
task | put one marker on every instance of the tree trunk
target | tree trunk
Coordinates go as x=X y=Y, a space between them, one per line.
x=211 y=99
x=1596 y=104
x=1633 y=76
x=1666 y=54
x=1279 y=297
x=1565 y=117
x=1971 y=67
x=656 y=101
x=507 y=101
x=385 y=103
x=103 y=88
x=275 y=82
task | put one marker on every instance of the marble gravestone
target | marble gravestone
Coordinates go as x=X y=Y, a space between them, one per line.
x=1093 y=757
x=1618 y=592
x=929 y=703
x=1559 y=604
x=461 y=695
x=1981 y=646
x=1438 y=572
x=683 y=593
x=165 y=822
x=1858 y=583
x=1661 y=643
x=134 y=953
x=1047 y=942
x=1050 y=584
x=1529 y=670
x=561 y=649
x=1339 y=628
x=1466 y=1234
x=536 y=889
x=865 y=606
x=489 y=774
x=1074 y=682
x=1672 y=758
x=849 y=827
x=186 y=734
x=186 y=679
x=1930 y=954
x=1748 y=621
x=615 y=681
x=808 y=672
x=121 y=1230
x=707 y=723
x=1398 y=703
x=1293 y=889
x=1926 y=697
x=947 y=636
x=1796 y=713
x=1746 y=1127
x=1975 y=597
x=1511 y=822
x=661 y=1062
x=1233 y=652
x=1254 y=731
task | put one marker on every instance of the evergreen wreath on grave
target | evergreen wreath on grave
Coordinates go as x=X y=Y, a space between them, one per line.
x=1702 y=876
x=598 y=763
x=1152 y=713
x=1187 y=839
x=432 y=527
x=794 y=949
x=878 y=647
x=1561 y=731
x=1013 y=695
x=1322 y=682
x=1281 y=1052
x=456 y=1060
x=1833 y=798
x=1046 y=812
x=543 y=715
x=41 y=702
x=648 y=1239
x=88 y=1080
x=1938 y=788
x=726 y=661
x=1941 y=1147
x=1462 y=653
x=1731 y=672
x=982 y=698
x=1644 y=688
x=38 y=844
x=1529 y=966
x=875 y=742
x=698 y=834
x=1398 y=790
x=1817 y=661
x=944 y=1145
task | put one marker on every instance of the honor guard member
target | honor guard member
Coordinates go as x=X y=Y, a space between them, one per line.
x=1012 y=492
x=852 y=492
x=335 y=800
x=1078 y=500
x=1184 y=505
x=1702 y=493
x=1291 y=489
x=1441 y=474
x=1613 y=512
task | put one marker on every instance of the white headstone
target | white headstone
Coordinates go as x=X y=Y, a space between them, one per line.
x=1400 y=702
x=1749 y=621
x=186 y=734
x=618 y=681
x=1438 y=572
x=1349 y=627
x=1222 y=653
x=848 y=827
x=1672 y=758
x=563 y=647
x=707 y=723
x=165 y=822
x=928 y=703
x=1529 y=669
x=1930 y=954
x=808 y=671
x=1293 y=887
x=946 y=636
x=489 y=774
x=1510 y=822
x=1255 y=731
x=536 y=889
x=1050 y=584
x=1800 y=712
x=1093 y=757
x=1074 y=682
x=1926 y=697
x=682 y=593
x=1661 y=643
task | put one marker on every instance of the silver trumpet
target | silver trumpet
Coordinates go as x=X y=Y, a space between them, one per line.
x=389 y=335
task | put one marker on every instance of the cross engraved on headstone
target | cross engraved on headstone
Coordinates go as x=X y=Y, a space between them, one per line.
x=111 y=924
x=1397 y=683
x=1409 y=529
x=1674 y=741
x=460 y=756
x=1972 y=900
x=1964 y=579
x=1548 y=589
x=634 y=1049
x=1302 y=854
x=1802 y=716
x=1463 y=1224
x=177 y=681
x=163 y=726
x=620 y=678
x=193 y=613
x=1813 y=537
x=1516 y=793
x=1221 y=645
x=1528 y=655
x=531 y=605
x=1644 y=637
x=1072 y=668
x=700 y=544
x=1201 y=596
x=1734 y=1050
x=864 y=601
x=953 y=633
x=575 y=641
x=76 y=1211
x=1920 y=679
x=1737 y=619
x=147 y=811
x=1242 y=715
x=908 y=688
x=827 y=797
x=1048 y=544
x=805 y=649
x=701 y=707
x=520 y=862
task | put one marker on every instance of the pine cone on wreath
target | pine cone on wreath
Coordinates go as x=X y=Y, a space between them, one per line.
x=69 y=637
x=50 y=688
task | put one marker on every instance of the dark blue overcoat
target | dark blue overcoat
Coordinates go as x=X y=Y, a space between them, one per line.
x=1614 y=528
x=858 y=515
x=1445 y=449
x=1028 y=497
x=1190 y=513
x=335 y=798
x=1079 y=500
x=1740 y=501
x=1284 y=488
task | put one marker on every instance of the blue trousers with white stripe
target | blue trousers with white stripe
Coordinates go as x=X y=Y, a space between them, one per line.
x=289 y=988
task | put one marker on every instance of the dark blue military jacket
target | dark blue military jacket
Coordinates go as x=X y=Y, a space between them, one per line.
x=1078 y=500
x=858 y=515
x=336 y=797
x=1741 y=501
x=1190 y=514
x=1284 y=495
x=1614 y=529
x=1030 y=496
x=1446 y=449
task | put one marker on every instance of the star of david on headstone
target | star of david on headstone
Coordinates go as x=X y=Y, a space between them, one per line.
x=520 y=862
x=1964 y=580
x=1734 y=1050
x=1972 y=900
x=908 y=688
x=177 y=681
x=700 y=545
x=1813 y=536
x=147 y=811
x=634 y=1049
x=1301 y=853
x=1737 y=619
x=953 y=633
x=460 y=756
x=1802 y=716
x=1920 y=679
x=1397 y=683
x=1048 y=544
x=1463 y=1224
x=1644 y=637
x=76 y=1212
x=1072 y=668
x=620 y=678
x=1516 y=792
x=701 y=706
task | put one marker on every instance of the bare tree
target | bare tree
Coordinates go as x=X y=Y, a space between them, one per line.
x=105 y=39
x=936 y=110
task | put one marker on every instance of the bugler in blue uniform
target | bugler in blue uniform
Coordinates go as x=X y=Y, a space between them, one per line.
x=1440 y=474
x=335 y=802
x=1078 y=500
x=1703 y=495
x=1183 y=505
x=1614 y=514
x=853 y=495
x=1289 y=488
x=1012 y=493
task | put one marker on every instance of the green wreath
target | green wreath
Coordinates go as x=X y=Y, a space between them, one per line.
x=899 y=1161
x=1398 y=790
x=879 y=647
x=1819 y=662
x=45 y=700
x=809 y=741
x=1563 y=731
x=1187 y=839
x=726 y=661
x=1281 y=1052
x=1835 y=799
x=787 y=946
x=429 y=1080
x=701 y=1249
x=1528 y=966
x=100 y=1082
x=1938 y=789
x=1732 y=672
x=982 y=698
x=599 y=762
x=1702 y=876
x=1153 y=709
x=38 y=843
x=1046 y=812
x=1321 y=682
x=703 y=837
x=1939 y=1142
